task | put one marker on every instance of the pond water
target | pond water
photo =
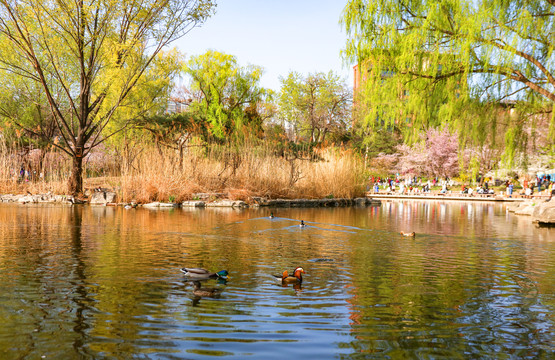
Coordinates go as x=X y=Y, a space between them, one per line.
x=103 y=282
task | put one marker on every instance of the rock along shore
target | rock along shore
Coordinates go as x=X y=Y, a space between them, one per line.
x=108 y=198
x=541 y=212
x=42 y=199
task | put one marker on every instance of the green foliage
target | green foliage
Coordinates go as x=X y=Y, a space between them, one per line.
x=170 y=129
x=425 y=64
x=25 y=117
x=98 y=65
x=380 y=141
x=315 y=106
x=229 y=97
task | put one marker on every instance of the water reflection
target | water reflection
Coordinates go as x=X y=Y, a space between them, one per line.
x=96 y=282
x=199 y=291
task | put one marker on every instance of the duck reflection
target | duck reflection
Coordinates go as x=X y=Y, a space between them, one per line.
x=200 y=292
x=297 y=287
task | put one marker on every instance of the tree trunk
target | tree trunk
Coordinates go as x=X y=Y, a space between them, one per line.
x=75 y=183
x=180 y=148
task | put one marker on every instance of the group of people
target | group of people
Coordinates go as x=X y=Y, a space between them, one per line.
x=24 y=175
x=416 y=185
x=409 y=185
x=480 y=189
x=545 y=185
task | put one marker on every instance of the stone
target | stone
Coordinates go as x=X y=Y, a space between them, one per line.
x=75 y=200
x=102 y=197
x=526 y=208
x=160 y=205
x=361 y=201
x=152 y=205
x=168 y=205
x=513 y=207
x=8 y=198
x=25 y=199
x=46 y=198
x=228 y=203
x=544 y=213
x=62 y=199
x=194 y=203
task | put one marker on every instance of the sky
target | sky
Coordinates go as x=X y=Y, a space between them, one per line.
x=278 y=35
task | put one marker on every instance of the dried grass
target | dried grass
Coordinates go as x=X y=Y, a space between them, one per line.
x=238 y=173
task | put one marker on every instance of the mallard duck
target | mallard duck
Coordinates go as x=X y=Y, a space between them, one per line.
x=297 y=277
x=196 y=273
x=302 y=224
x=205 y=292
x=408 y=234
x=271 y=215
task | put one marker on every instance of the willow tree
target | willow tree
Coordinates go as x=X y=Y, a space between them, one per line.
x=92 y=59
x=425 y=63
x=315 y=105
x=226 y=96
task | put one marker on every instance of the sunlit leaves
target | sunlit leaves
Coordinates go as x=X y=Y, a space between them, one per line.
x=441 y=56
x=315 y=105
x=99 y=62
x=225 y=92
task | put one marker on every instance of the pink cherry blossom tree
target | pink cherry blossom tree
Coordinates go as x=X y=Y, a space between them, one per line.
x=442 y=153
x=435 y=155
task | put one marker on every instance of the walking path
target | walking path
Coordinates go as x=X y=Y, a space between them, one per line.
x=459 y=197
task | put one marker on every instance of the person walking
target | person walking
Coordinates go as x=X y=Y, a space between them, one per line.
x=511 y=189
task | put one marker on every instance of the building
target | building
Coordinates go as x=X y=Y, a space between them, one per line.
x=177 y=106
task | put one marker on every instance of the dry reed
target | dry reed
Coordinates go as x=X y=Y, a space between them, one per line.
x=241 y=173
x=238 y=173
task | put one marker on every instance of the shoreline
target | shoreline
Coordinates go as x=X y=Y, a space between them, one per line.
x=107 y=198
x=541 y=210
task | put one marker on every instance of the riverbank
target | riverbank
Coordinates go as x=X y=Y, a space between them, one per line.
x=540 y=208
x=108 y=198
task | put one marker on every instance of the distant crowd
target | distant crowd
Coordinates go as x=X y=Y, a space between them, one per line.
x=413 y=185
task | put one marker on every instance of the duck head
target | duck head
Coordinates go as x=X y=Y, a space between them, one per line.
x=298 y=273
x=222 y=274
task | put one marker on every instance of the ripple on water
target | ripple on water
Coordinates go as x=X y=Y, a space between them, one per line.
x=99 y=285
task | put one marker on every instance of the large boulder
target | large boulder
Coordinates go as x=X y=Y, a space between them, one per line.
x=160 y=205
x=193 y=203
x=102 y=197
x=526 y=208
x=513 y=207
x=8 y=198
x=544 y=213
x=27 y=199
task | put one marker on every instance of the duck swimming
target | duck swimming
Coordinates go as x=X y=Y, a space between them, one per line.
x=271 y=215
x=205 y=292
x=408 y=234
x=297 y=277
x=302 y=224
x=197 y=273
